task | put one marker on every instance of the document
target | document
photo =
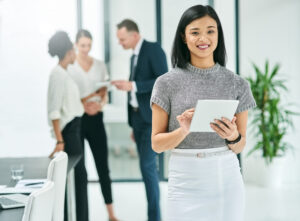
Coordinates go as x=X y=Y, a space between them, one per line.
x=208 y=110
x=24 y=186
x=31 y=183
x=102 y=84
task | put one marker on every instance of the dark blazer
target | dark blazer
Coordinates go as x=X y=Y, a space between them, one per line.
x=151 y=64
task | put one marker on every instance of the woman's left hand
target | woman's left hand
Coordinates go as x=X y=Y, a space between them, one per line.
x=225 y=128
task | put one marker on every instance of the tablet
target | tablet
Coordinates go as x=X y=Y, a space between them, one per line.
x=208 y=110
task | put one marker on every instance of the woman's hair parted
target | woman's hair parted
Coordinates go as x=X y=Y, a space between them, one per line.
x=83 y=33
x=180 y=52
x=59 y=44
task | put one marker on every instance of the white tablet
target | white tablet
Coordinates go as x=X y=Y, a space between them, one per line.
x=208 y=110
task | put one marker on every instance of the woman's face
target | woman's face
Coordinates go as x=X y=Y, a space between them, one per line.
x=71 y=56
x=84 y=45
x=201 y=37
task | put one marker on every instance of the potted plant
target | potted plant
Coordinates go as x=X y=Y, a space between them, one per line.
x=270 y=121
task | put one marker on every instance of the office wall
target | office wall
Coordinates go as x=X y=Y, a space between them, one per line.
x=25 y=28
x=92 y=20
x=226 y=13
x=270 y=30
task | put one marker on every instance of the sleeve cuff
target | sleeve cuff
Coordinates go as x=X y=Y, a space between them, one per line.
x=247 y=107
x=134 y=88
x=159 y=102
x=54 y=115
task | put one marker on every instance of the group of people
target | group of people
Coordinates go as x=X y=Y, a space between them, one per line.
x=205 y=182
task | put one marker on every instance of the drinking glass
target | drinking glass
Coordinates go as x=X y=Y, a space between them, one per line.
x=17 y=172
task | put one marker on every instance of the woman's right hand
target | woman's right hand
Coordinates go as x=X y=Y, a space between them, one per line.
x=185 y=120
x=58 y=147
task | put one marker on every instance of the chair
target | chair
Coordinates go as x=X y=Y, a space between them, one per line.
x=57 y=172
x=40 y=204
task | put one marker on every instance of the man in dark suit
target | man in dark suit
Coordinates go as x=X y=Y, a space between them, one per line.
x=146 y=64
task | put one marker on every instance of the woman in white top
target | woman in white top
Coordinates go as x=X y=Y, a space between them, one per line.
x=64 y=112
x=87 y=71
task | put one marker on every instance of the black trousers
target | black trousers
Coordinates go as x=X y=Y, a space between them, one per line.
x=73 y=146
x=93 y=130
x=147 y=158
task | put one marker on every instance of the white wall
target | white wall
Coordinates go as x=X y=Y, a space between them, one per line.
x=226 y=13
x=270 y=30
x=25 y=28
x=92 y=20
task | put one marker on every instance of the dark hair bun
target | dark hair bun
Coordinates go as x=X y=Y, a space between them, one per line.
x=59 y=44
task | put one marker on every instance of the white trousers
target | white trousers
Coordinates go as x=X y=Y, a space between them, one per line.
x=205 y=188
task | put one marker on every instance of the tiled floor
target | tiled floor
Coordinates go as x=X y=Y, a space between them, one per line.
x=261 y=204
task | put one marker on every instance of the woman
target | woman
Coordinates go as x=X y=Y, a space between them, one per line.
x=205 y=182
x=64 y=112
x=87 y=71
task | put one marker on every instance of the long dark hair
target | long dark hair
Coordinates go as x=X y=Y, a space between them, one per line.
x=180 y=52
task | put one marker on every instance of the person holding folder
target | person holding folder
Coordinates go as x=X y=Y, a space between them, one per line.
x=86 y=72
x=205 y=181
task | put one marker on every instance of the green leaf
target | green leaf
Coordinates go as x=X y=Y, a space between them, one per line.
x=270 y=121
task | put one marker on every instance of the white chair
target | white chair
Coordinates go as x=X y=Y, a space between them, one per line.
x=57 y=172
x=40 y=204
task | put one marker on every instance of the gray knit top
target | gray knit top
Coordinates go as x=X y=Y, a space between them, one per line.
x=180 y=89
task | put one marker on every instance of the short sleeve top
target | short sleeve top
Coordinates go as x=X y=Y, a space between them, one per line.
x=86 y=80
x=180 y=89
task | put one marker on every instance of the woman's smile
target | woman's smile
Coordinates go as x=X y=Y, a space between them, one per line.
x=203 y=46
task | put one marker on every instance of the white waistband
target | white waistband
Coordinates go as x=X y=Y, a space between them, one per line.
x=208 y=150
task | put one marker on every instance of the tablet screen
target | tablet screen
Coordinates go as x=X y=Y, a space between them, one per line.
x=208 y=110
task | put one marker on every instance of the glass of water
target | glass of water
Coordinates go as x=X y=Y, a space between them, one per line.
x=17 y=172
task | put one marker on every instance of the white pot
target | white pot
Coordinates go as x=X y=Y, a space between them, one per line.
x=269 y=175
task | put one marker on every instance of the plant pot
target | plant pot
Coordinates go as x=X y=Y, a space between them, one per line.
x=269 y=175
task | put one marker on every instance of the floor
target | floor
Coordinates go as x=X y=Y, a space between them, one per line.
x=261 y=204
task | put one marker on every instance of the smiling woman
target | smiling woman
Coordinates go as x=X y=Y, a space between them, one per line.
x=204 y=33
x=205 y=182
x=201 y=37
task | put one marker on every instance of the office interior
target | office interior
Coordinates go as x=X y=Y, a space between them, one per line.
x=255 y=31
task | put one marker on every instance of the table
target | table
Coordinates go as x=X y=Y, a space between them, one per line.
x=36 y=168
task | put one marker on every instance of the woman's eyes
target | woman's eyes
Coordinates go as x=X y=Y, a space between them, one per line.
x=195 y=33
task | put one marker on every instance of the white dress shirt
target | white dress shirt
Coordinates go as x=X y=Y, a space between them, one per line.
x=86 y=80
x=63 y=98
x=133 y=102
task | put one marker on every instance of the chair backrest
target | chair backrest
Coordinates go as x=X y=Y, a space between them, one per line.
x=57 y=172
x=40 y=204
